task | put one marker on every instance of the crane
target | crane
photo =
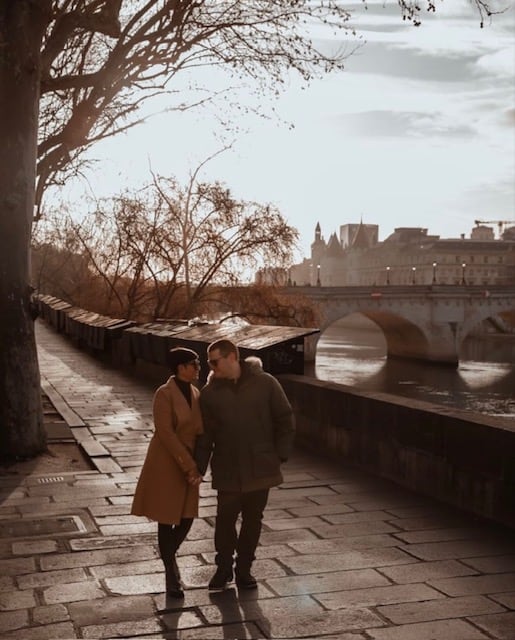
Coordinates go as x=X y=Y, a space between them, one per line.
x=500 y=224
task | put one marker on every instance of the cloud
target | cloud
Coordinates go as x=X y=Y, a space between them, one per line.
x=499 y=63
x=393 y=124
x=403 y=62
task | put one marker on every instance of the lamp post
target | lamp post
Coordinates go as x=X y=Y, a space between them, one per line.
x=434 y=272
x=318 y=276
x=463 y=267
x=387 y=275
x=413 y=272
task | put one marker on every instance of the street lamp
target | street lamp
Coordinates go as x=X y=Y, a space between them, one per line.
x=318 y=275
x=434 y=272
x=413 y=272
x=463 y=267
x=387 y=275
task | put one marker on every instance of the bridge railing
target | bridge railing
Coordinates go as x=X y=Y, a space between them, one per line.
x=479 y=291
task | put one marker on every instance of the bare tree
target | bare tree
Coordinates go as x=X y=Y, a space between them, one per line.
x=73 y=72
x=171 y=249
x=59 y=265
x=119 y=240
x=114 y=246
x=220 y=239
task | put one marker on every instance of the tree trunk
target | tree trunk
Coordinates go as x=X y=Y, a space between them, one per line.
x=22 y=24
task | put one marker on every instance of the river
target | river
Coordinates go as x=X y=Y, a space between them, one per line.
x=483 y=382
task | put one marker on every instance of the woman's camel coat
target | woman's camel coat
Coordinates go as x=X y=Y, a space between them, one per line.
x=163 y=493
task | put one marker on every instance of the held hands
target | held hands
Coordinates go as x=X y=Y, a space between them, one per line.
x=194 y=478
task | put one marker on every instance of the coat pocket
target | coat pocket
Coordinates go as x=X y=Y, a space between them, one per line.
x=265 y=461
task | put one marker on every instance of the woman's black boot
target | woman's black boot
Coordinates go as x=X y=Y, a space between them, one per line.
x=173 y=583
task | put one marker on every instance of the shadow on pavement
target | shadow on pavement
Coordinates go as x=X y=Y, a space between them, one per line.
x=243 y=608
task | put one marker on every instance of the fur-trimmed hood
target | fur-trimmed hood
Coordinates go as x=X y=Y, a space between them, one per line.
x=251 y=365
x=254 y=364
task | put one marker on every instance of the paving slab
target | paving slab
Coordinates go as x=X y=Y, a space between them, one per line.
x=59 y=631
x=375 y=596
x=441 y=609
x=49 y=614
x=438 y=630
x=495 y=564
x=131 y=629
x=476 y=584
x=354 y=559
x=499 y=625
x=111 y=610
x=324 y=582
x=459 y=549
x=506 y=599
x=72 y=592
x=425 y=571
x=343 y=555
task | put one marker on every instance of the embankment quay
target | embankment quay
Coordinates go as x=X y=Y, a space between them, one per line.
x=345 y=553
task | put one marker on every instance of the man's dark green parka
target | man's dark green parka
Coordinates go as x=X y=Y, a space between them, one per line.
x=248 y=427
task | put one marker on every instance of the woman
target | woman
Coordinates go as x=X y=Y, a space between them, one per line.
x=168 y=487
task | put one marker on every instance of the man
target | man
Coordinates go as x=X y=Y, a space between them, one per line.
x=249 y=429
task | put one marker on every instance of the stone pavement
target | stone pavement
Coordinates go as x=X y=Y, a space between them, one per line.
x=343 y=554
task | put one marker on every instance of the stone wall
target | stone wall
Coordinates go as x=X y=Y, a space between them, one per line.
x=459 y=457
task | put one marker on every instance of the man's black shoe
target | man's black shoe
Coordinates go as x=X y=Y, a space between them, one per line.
x=245 y=580
x=220 y=580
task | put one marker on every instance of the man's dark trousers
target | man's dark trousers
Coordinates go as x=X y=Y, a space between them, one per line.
x=230 y=504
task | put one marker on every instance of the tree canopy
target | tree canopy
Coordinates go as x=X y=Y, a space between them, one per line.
x=161 y=251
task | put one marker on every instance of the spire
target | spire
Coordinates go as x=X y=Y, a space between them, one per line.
x=318 y=232
x=361 y=239
x=334 y=248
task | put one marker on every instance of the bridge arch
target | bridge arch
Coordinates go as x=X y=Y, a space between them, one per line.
x=486 y=313
x=402 y=336
x=427 y=322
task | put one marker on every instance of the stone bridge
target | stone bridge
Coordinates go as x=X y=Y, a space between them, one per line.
x=424 y=322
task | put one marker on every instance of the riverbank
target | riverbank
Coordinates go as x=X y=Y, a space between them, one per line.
x=459 y=457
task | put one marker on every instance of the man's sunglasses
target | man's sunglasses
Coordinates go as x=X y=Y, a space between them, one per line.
x=214 y=362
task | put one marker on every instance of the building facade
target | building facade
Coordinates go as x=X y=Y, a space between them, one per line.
x=408 y=256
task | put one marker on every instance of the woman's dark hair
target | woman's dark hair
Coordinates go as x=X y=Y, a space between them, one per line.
x=180 y=355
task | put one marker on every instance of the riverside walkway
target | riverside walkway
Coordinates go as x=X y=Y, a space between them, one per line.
x=343 y=555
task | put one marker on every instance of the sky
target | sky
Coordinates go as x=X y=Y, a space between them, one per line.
x=418 y=130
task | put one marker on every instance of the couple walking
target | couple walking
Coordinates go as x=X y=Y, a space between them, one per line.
x=243 y=422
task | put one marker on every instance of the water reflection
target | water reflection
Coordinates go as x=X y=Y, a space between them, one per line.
x=483 y=382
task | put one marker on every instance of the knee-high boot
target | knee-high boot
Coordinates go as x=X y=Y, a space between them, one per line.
x=173 y=583
x=167 y=549
x=180 y=531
